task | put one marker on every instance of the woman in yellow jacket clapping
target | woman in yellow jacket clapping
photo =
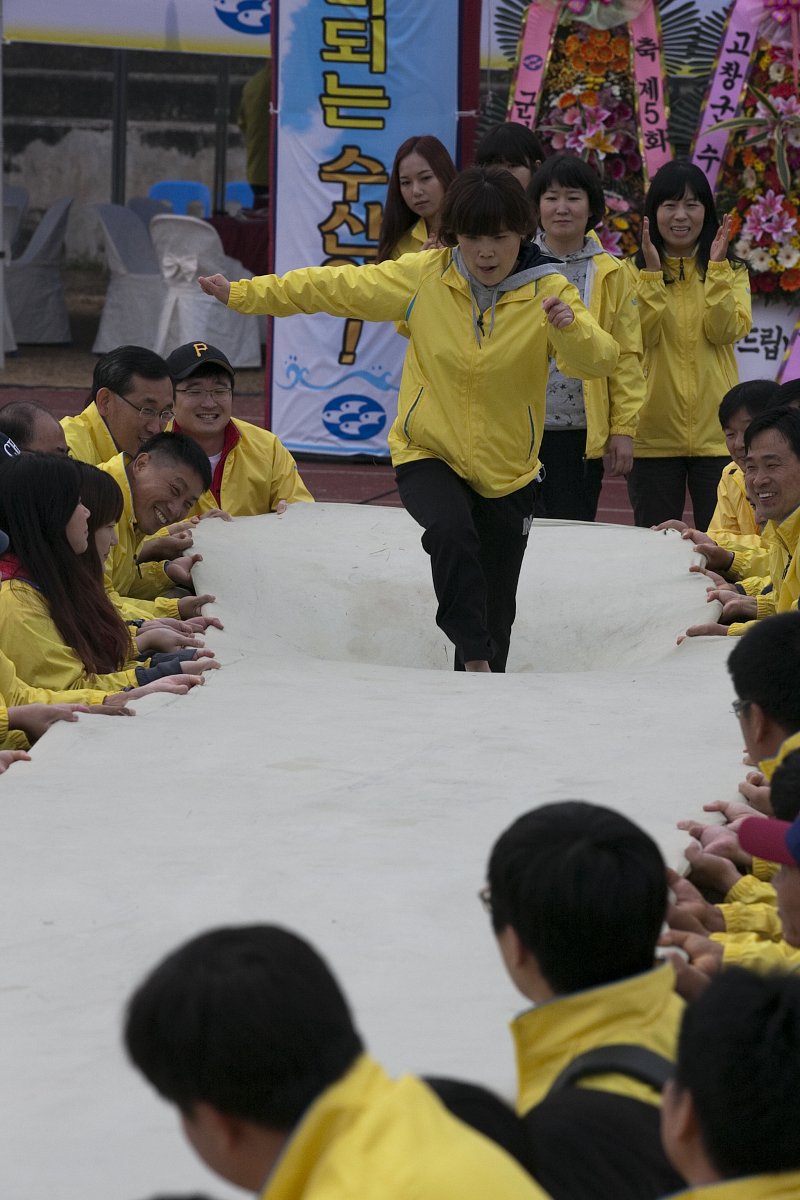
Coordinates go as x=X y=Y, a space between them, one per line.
x=694 y=305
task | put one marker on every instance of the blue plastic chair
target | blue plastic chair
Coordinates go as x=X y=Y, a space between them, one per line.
x=238 y=191
x=181 y=193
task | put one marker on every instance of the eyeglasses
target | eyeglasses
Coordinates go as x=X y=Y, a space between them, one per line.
x=217 y=393
x=740 y=706
x=485 y=897
x=147 y=413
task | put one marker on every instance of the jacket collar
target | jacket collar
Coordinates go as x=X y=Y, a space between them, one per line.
x=770 y=765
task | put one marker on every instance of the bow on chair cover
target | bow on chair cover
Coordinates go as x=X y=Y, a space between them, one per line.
x=179 y=268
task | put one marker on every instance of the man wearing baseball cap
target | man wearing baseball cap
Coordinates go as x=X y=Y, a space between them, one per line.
x=252 y=471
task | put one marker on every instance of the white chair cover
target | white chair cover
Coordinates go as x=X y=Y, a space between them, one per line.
x=34 y=290
x=186 y=248
x=136 y=290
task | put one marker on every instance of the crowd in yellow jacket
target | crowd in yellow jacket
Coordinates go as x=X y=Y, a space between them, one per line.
x=88 y=436
x=641 y=1011
x=257 y=472
x=30 y=638
x=689 y=328
x=135 y=589
x=475 y=402
x=369 y=1135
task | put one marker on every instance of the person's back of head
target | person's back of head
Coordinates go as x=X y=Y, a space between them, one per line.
x=752 y=397
x=765 y=666
x=116 y=369
x=249 y=1020
x=32 y=427
x=731 y=1109
x=585 y=891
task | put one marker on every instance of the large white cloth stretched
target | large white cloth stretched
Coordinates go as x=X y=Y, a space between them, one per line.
x=338 y=778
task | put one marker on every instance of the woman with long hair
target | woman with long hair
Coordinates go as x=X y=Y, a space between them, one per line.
x=694 y=304
x=57 y=624
x=421 y=174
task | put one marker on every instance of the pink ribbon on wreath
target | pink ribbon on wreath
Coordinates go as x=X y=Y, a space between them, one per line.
x=534 y=54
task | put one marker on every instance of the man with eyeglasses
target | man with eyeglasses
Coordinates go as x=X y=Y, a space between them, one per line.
x=131 y=401
x=252 y=471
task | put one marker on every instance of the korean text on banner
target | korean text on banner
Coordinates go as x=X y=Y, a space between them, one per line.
x=355 y=80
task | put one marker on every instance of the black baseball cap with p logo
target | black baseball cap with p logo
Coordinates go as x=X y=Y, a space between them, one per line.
x=187 y=359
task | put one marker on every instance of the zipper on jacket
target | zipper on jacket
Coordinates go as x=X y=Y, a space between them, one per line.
x=533 y=432
x=410 y=414
x=681 y=274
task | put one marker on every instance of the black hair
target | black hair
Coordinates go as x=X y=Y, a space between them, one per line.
x=248 y=1019
x=116 y=369
x=483 y=201
x=738 y=1055
x=481 y=1109
x=765 y=667
x=785 y=421
x=569 y=171
x=784 y=792
x=672 y=182
x=509 y=142
x=754 y=396
x=19 y=421
x=180 y=449
x=585 y=891
x=788 y=392
x=398 y=218
x=38 y=495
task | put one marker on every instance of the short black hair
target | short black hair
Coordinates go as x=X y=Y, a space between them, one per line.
x=784 y=792
x=19 y=421
x=739 y=1058
x=585 y=890
x=482 y=201
x=116 y=369
x=765 y=667
x=569 y=171
x=248 y=1019
x=754 y=396
x=181 y=449
x=785 y=421
x=789 y=392
x=509 y=142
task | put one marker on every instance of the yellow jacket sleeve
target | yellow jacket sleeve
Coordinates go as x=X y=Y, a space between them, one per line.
x=582 y=349
x=727 y=316
x=756 y=954
x=626 y=387
x=751 y=907
x=29 y=637
x=373 y=292
x=651 y=296
x=10 y=739
x=18 y=693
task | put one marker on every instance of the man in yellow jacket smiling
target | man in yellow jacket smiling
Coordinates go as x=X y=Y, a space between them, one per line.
x=248 y=1033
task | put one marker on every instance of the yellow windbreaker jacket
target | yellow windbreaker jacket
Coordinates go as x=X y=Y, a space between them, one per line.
x=257 y=472
x=613 y=402
x=641 y=1011
x=784 y=571
x=28 y=635
x=472 y=392
x=785 y=1185
x=689 y=328
x=134 y=589
x=412 y=240
x=371 y=1136
x=88 y=437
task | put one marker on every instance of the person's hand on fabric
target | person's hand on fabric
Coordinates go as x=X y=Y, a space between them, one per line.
x=177 y=685
x=190 y=607
x=619 y=452
x=558 y=313
x=690 y=910
x=281 y=507
x=739 y=608
x=9 y=757
x=732 y=810
x=168 y=547
x=721 y=840
x=717 y=557
x=710 y=871
x=180 y=571
x=219 y=513
x=756 y=790
x=680 y=526
x=717 y=582
x=196 y=666
x=217 y=286
x=35 y=719
x=704 y=957
x=711 y=629
x=163 y=640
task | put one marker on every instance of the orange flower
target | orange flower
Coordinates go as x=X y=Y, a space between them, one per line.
x=605 y=54
x=567 y=100
x=790 y=280
x=620 y=65
x=599 y=36
x=578 y=63
x=572 y=44
x=620 y=46
x=736 y=223
x=748 y=156
x=590 y=98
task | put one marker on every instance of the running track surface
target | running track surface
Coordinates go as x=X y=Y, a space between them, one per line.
x=330 y=479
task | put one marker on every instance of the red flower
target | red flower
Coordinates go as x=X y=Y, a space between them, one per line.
x=790 y=280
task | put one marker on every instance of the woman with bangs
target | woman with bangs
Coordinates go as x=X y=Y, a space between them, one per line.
x=483 y=315
x=57 y=625
x=422 y=171
x=694 y=305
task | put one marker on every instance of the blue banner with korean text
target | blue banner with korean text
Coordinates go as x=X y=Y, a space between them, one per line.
x=354 y=81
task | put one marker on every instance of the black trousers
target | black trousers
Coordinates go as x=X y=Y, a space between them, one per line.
x=657 y=488
x=476 y=547
x=571 y=486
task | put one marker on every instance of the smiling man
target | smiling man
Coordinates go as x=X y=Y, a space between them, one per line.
x=253 y=472
x=159 y=486
x=131 y=401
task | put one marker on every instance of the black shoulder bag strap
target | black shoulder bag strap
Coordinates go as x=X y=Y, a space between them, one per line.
x=635 y=1061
